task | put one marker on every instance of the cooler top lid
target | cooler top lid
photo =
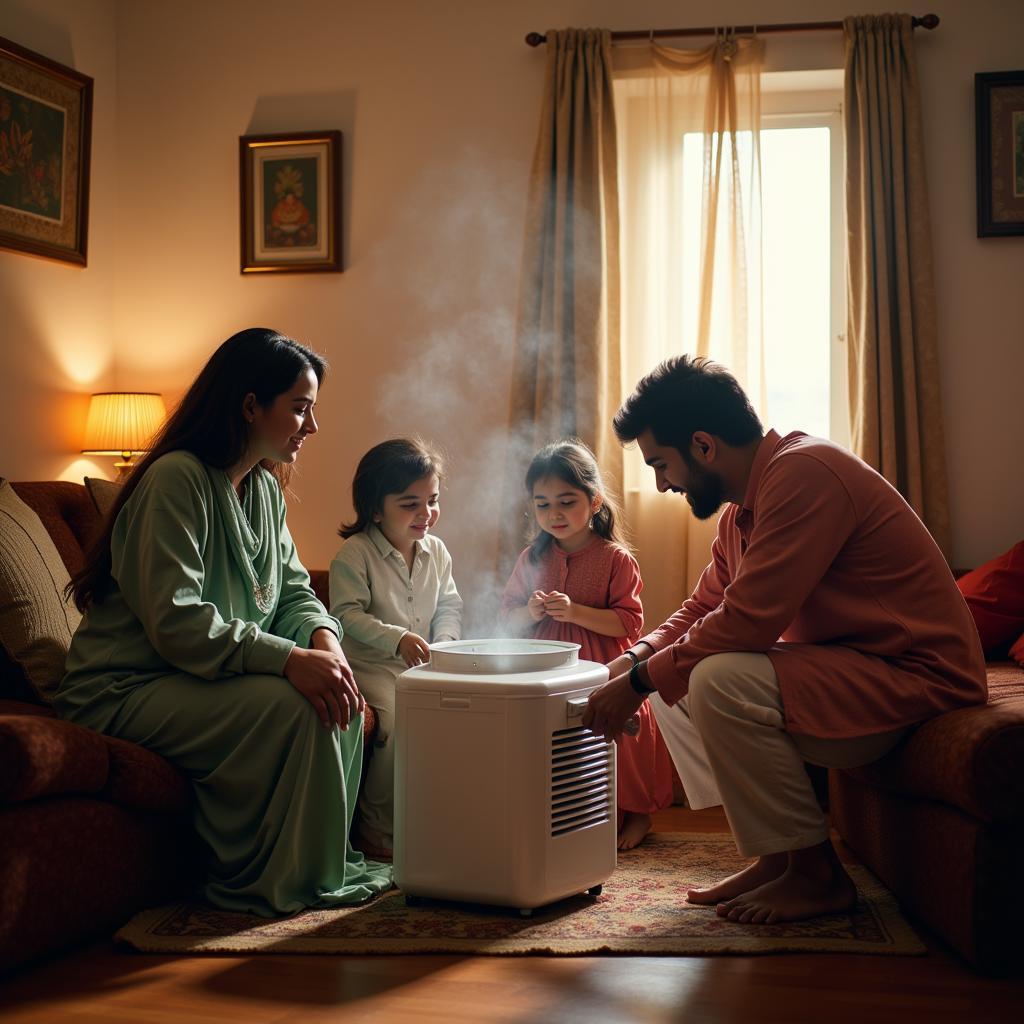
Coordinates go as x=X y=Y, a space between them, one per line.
x=543 y=682
x=512 y=656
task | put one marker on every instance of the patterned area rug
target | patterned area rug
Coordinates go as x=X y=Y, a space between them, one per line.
x=642 y=911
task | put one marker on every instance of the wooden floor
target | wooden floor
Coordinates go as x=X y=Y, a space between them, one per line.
x=103 y=984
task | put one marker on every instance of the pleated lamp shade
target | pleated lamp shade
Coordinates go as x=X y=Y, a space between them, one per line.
x=122 y=423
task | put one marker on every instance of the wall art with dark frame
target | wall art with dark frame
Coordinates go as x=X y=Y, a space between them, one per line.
x=290 y=202
x=999 y=133
x=45 y=138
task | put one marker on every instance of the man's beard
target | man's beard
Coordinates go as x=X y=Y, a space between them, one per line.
x=706 y=492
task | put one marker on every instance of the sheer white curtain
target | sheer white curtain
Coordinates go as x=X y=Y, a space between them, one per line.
x=684 y=290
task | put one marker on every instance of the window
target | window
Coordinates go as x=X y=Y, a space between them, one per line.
x=803 y=305
x=804 y=274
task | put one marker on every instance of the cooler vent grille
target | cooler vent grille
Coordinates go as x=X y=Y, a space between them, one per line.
x=582 y=773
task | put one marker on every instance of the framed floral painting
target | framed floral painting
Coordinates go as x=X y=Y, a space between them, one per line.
x=45 y=135
x=999 y=135
x=291 y=202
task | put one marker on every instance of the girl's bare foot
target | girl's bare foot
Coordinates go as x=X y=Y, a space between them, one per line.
x=634 y=828
x=814 y=883
x=764 y=869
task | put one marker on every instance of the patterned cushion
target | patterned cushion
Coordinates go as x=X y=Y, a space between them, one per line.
x=972 y=759
x=36 y=622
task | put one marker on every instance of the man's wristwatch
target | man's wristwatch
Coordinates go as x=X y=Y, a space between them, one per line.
x=637 y=683
x=632 y=655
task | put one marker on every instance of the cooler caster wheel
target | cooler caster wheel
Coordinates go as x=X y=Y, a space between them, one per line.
x=525 y=912
x=595 y=890
x=413 y=901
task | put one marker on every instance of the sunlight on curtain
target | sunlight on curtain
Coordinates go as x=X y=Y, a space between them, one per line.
x=683 y=290
x=895 y=385
x=567 y=361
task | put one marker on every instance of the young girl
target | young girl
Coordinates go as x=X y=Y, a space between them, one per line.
x=392 y=589
x=576 y=583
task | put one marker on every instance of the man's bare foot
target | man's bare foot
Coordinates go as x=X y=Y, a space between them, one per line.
x=814 y=883
x=634 y=828
x=764 y=869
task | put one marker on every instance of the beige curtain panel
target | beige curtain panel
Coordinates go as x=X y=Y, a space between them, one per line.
x=690 y=207
x=895 y=401
x=566 y=368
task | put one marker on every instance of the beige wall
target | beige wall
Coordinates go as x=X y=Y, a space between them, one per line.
x=57 y=319
x=439 y=103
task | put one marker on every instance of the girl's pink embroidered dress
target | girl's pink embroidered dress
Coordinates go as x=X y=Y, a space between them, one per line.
x=601 y=575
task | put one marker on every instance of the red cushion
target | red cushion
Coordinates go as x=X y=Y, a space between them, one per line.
x=995 y=594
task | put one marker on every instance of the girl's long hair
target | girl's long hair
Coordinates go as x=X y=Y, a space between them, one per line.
x=208 y=422
x=388 y=468
x=572 y=462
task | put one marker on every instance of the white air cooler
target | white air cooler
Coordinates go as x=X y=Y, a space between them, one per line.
x=501 y=795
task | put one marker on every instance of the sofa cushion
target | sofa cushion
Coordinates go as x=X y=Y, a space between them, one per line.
x=140 y=778
x=42 y=756
x=972 y=758
x=103 y=494
x=67 y=512
x=995 y=594
x=36 y=621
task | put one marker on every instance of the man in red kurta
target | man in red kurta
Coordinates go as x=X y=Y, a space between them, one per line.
x=826 y=625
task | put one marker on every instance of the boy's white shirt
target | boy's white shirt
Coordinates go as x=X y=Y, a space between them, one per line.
x=378 y=599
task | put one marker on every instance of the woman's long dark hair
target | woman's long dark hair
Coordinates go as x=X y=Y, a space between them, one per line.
x=388 y=468
x=572 y=462
x=208 y=422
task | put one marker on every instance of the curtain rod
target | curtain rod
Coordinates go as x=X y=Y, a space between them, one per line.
x=928 y=21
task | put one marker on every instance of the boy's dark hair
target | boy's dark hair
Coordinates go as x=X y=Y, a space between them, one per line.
x=388 y=468
x=685 y=394
x=573 y=462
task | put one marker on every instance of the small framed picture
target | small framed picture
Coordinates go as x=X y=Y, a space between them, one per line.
x=291 y=202
x=45 y=136
x=999 y=133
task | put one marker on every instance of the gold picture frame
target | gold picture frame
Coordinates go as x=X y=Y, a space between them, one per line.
x=290 y=193
x=45 y=140
x=999 y=137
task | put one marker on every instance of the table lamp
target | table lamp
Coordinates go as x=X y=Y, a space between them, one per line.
x=122 y=423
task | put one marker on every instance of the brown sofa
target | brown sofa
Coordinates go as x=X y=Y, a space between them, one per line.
x=941 y=821
x=92 y=829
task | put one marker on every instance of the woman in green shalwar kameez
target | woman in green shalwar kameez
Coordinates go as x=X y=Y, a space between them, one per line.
x=203 y=641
